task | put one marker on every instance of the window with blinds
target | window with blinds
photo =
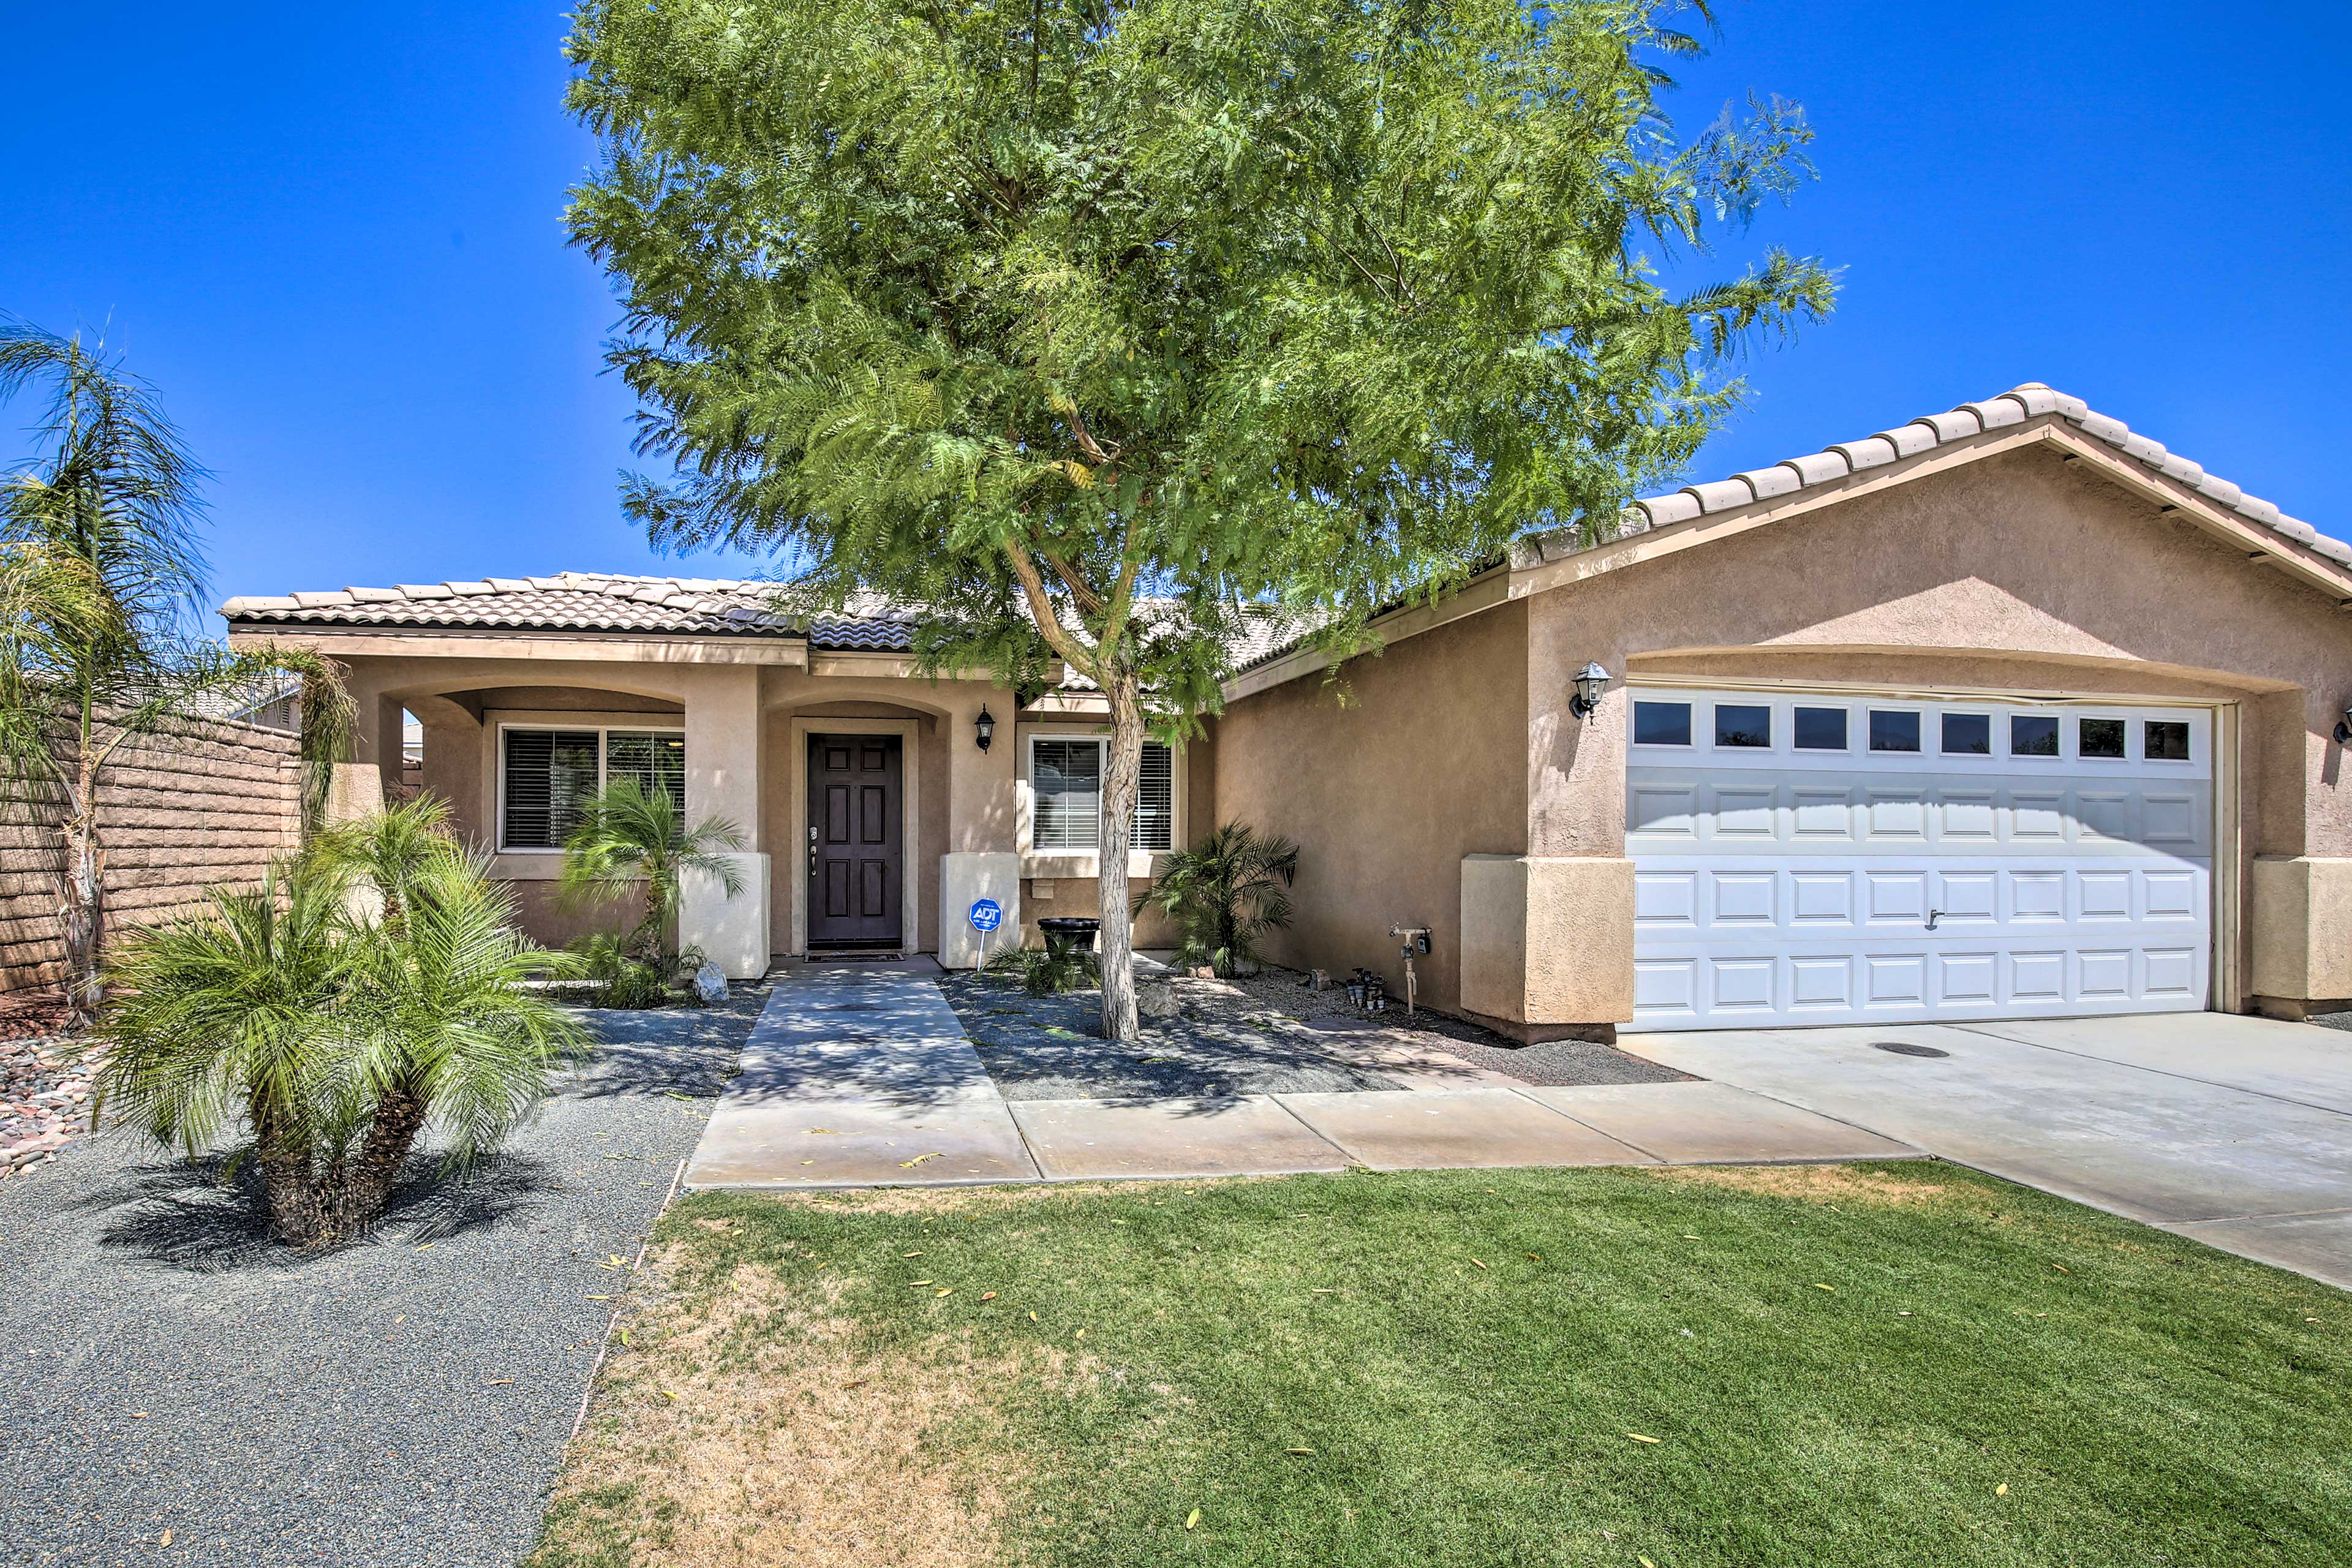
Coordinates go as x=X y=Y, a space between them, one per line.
x=1155 y=799
x=548 y=774
x=1066 y=780
x=656 y=760
x=1066 y=790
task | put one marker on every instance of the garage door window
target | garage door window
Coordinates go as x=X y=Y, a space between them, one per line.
x=1661 y=723
x=2168 y=740
x=1967 y=734
x=1893 y=732
x=2033 y=735
x=1821 y=729
x=2099 y=737
x=1740 y=725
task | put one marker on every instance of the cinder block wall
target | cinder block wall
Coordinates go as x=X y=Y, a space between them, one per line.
x=206 y=807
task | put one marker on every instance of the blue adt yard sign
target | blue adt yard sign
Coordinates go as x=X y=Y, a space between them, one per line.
x=987 y=914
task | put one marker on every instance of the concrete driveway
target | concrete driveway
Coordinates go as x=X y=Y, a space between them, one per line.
x=2236 y=1132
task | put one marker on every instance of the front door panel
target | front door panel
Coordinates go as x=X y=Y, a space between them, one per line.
x=856 y=856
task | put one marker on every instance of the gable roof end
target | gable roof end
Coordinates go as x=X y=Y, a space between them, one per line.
x=1840 y=458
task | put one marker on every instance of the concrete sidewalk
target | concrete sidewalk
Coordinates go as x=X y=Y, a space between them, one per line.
x=861 y=1077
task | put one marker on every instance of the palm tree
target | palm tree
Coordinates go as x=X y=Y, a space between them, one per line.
x=334 y=1038
x=100 y=562
x=1229 y=889
x=631 y=840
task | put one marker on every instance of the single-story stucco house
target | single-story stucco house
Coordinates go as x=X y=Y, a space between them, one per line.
x=2006 y=712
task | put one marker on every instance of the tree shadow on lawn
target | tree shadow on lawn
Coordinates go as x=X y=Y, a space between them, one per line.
x=185 y=1214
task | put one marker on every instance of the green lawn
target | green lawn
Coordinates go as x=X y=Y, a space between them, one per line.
x=1451 y=1368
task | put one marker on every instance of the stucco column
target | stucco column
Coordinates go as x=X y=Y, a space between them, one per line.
x=722 y=779
x=979 y=860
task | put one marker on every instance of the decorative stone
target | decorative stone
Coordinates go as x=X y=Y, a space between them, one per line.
x=710 y=983
x=1156 y=999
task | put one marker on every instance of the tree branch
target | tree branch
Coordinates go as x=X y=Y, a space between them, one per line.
x=1049 y=625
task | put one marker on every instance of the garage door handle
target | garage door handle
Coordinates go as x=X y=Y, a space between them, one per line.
x=1933 y=916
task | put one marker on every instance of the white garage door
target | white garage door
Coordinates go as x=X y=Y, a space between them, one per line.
x=1834 y=859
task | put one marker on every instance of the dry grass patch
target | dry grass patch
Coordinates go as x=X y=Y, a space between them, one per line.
x=1825 y=1183
x=743 y=1427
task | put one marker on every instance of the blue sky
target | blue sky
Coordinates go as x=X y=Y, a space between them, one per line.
x=332 y=236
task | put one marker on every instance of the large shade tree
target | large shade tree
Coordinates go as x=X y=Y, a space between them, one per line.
x=1099 y=327
x=102 y=570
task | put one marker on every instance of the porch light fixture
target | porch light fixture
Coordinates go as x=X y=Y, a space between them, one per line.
x=984 y=727
x=2344 y=729
x=1591 y=682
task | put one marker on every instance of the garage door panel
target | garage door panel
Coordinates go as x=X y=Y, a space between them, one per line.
x=1745 y=897
x=1666 y=898
x=1742 y=814
x=1967 y=979
x=1775 y=884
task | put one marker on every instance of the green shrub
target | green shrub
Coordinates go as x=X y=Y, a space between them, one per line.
x=1227 y=891
x=616 y=978
x=1060 y=966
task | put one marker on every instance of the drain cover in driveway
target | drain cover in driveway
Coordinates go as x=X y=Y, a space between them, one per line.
x=1905 y=1048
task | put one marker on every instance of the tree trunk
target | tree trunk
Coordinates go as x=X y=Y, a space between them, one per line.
x=399 y=1118
x=82 y=918
x=1122 y=765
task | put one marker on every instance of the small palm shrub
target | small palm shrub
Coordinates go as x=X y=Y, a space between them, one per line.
x=614 y=977
x=632 y=839
x=1227 y=891
x=1059 y=966
x=332 y=1015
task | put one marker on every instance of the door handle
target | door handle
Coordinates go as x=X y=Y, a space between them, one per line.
x=811 y=868
x=1933 y=916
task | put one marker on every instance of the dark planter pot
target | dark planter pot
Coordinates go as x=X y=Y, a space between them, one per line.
x=1078 y=932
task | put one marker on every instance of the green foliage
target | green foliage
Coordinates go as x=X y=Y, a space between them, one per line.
x=100 y=562
x=363 y=993
x=1228 y=890
x=635 y=840
x=1105 y=329
x=1059 y=966
x=614 y=977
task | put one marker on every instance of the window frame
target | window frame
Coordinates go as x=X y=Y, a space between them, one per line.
x=602 y=727
x=1056 y=863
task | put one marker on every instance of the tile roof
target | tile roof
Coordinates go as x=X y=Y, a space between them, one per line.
x=579 y=601
x=2015 y=406
x=582 y=600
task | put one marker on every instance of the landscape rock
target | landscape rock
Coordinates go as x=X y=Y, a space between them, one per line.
x=710 y=983
x=1158 y=1000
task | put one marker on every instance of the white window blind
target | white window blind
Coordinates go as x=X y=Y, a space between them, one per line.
x=1155 y=799
x=1067 y=778
x=1065 y=784
x=549 y=773
x=656 y=760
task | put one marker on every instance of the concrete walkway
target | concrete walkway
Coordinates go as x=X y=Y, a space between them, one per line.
x=2236 y=1132
x=861 y=1075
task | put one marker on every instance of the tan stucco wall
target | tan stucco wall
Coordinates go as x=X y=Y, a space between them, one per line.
x=2301 y=912
x=2080 y=586
x=1540 y=936
x=1426 y=764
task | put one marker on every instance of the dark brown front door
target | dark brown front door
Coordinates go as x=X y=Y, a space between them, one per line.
x=854 y=854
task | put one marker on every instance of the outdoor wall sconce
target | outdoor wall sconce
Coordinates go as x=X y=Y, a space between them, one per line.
x=984 y=727
x=1591 y=682
x=2344 y=729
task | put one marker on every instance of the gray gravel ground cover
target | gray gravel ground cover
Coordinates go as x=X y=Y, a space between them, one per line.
x=405 y=1402
x=1267 y=1034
